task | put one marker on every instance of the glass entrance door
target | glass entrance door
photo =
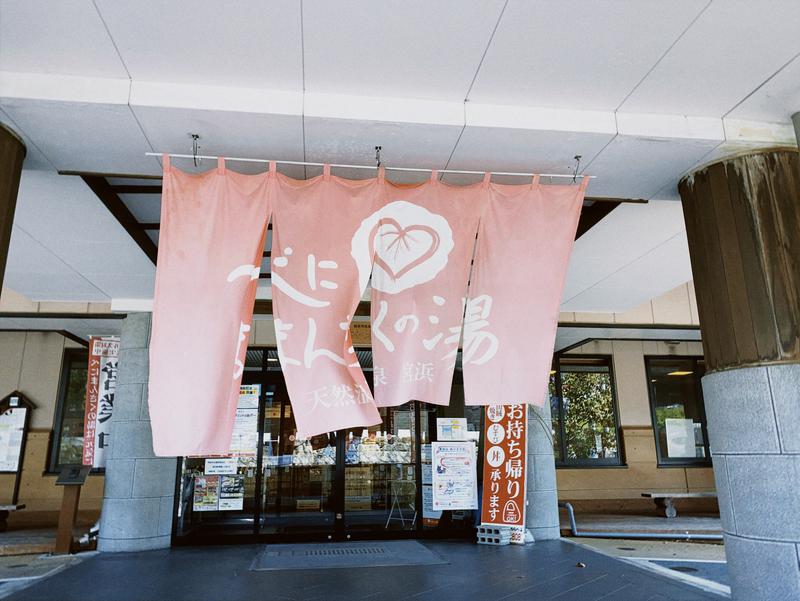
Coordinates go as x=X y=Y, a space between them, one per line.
x=380 y=475
x=298 y=493
x=278 y=484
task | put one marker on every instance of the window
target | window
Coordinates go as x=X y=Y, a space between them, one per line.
x=68 y=428
x=584 y=411
x=676 y=403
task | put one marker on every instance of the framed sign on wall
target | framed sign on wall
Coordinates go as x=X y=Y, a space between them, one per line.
x=15 y=410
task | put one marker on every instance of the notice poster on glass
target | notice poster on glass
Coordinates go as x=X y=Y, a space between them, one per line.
x=221 y=465
x=451 y=428
x=455 y=479
x=680 y=437
x=231 y=493
x=245 y=427
x=206 y=493
x=428 y=512
x=101 y=385
x=12 y=427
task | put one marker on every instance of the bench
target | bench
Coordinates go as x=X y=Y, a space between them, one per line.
x=666 y=500
x=4 y=511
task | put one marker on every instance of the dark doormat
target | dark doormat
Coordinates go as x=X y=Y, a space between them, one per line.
x=345 y=555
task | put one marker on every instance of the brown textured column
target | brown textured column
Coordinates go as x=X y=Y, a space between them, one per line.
x=743 y=225
x=12 y=153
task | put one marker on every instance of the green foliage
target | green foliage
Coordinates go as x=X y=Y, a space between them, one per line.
x=588 y=412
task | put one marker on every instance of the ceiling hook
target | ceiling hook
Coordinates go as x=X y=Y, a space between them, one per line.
x=378 y=155
x=577 y=166
x=195 y=148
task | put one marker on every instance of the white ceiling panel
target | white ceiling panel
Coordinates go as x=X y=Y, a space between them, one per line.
x=250 y=43
x=730 y=50
x=39 y=274
x=657 y=271
x=526 y=151
x=71 y=232
x=637 y=167
x=628 y=233
x=66 y=37
x=233 y=134
x=125 y=285
x=407 y=48
x=102 y=138
x=576 y=54
x=146 y=208
x=403 y=145
x=777 y=100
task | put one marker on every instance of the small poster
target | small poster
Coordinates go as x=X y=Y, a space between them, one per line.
x=504 y=466
x=101 y=384
x=680 y=437
x=451 y=428
x=427 y=473
x=428 y=512
x=455 y=481
x=221 y=465
x=426 y=452
x=12 y=427
x=206 y=493
x=231 y=493
x=244 y=440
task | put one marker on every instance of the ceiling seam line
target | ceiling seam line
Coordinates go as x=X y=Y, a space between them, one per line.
x=113 y=43
x=663 y=56
x=761 y=85
x=616 y=271
x=485 y=52
x=60 y=259
x=458 y=139
x=599 y=152
x=141 y=128
x=303 y=78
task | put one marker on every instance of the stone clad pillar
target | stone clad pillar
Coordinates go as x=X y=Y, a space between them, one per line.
x=542 y=512
x=12 y=154
x=139 y=491
x=743 y=225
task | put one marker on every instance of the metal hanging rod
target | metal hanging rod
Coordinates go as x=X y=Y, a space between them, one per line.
x=373 y=167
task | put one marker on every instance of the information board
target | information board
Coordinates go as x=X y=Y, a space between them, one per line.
x=12 y=431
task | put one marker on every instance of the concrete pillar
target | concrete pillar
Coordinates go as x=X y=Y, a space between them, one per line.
x=743 y=226
x=12 y=154
x=139 y=487
x=542 y=511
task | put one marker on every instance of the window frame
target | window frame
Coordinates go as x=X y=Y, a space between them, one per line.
x=562 y=462
x=679 y=461
x=70 y=355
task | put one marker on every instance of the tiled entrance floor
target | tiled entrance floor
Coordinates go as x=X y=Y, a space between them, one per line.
x=545 y=570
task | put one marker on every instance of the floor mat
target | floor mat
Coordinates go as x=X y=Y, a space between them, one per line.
x=345 y=555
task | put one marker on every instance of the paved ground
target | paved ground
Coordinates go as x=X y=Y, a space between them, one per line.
x=547 y=570
x=613 y=522
x=20 y=571
x=693 y=562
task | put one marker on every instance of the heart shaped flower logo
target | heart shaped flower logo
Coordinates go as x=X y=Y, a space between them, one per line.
x=411 y=246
